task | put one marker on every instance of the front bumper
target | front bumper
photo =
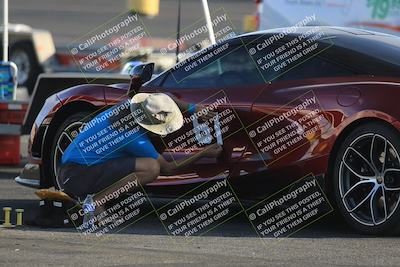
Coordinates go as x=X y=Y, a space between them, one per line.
x=30 y=176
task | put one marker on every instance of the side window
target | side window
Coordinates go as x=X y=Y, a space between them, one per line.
x=233 y=67
x=202 y=78
x=156 y=81
x=315 y=67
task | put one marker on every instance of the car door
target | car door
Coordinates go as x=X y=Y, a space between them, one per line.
x=223 y=79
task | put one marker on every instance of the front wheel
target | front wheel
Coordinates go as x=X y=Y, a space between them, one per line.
x=64 y=136
x=367 y=179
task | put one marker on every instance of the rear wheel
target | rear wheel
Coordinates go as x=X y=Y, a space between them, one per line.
x=367 y=179
x=64 y=136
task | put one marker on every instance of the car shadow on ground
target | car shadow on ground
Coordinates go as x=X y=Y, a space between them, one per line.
x=15 y=196
x=330 y=226
x=238 y=226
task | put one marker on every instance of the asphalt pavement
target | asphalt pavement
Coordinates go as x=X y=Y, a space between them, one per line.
x=328 y=242
x=69 y=20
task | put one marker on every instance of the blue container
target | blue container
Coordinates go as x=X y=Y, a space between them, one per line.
x=8 y=80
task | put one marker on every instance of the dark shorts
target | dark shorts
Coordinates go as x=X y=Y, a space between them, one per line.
x=80 y=180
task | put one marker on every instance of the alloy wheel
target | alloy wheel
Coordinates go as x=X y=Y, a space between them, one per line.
x=63 y=141
x=369 y=179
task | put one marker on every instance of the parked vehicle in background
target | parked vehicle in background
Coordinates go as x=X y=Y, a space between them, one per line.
x=32 y=50
x=375 y=15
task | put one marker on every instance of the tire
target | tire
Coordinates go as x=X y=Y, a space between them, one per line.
x=366 y=179
x=63 y=137
x=23 y=55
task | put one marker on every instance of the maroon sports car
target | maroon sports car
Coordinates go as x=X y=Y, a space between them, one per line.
x=328 y=107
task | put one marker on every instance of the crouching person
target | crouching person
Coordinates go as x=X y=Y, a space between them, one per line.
x=114 y=148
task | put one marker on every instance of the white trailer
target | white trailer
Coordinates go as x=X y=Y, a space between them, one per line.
x=375 y=15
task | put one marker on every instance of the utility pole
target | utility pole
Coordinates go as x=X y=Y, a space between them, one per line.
x=208 y=21
x=178 y=31
x=5 y=30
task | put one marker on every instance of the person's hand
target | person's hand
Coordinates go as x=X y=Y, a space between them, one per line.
x=206 y=114
x=212 y=151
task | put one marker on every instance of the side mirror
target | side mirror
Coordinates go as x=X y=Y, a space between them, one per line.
x=139 y=75
x=142 y=71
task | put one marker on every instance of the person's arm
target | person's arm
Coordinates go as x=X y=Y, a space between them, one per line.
x=171 y=168
x=192 y=108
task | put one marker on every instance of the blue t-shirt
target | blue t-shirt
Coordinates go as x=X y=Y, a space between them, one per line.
x=111 y=134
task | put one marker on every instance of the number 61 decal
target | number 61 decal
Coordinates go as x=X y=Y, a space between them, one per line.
x=203 y=131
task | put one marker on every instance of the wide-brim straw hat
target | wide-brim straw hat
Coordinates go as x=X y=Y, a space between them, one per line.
x=157 y=113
